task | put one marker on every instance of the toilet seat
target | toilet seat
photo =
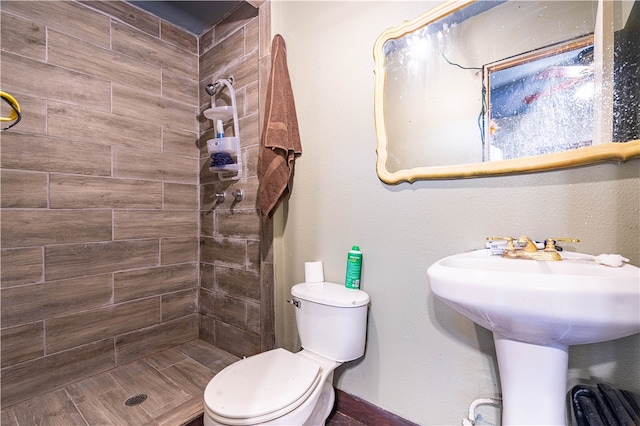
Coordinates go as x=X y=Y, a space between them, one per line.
x=261 y=388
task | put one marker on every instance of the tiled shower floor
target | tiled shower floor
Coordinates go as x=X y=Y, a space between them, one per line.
x=173 y=380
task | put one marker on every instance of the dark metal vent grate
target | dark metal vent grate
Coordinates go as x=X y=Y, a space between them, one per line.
x=136 y=400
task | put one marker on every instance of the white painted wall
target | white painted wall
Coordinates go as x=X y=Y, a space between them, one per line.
x=423 y=361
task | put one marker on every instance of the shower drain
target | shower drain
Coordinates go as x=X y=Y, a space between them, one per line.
x=135 y=400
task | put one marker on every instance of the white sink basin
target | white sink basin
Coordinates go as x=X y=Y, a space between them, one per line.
x=536 y=309
x=569 y=302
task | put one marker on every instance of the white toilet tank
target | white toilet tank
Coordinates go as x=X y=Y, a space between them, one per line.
x=331 y=319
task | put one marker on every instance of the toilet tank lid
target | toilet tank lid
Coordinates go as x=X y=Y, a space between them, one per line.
x=330 y=294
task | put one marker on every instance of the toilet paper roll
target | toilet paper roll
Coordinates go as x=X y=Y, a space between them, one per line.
x=313 y=272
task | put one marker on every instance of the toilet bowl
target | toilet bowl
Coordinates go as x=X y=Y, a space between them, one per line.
x=279 y=387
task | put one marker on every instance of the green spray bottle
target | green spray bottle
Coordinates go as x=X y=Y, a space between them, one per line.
x=354 y=268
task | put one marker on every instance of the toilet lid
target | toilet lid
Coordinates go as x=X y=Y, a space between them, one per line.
x=262 y=384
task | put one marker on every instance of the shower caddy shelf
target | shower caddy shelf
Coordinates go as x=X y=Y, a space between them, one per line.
x=228 y=144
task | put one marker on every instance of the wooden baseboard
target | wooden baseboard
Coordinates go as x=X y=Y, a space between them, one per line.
x=365 y=412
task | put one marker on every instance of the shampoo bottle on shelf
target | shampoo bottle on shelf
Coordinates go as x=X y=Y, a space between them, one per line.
x=354 y=268
x=220 y=129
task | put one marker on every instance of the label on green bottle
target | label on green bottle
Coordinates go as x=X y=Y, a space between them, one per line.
x=354 y=268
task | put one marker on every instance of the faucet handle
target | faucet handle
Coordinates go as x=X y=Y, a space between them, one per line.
x=550 y=243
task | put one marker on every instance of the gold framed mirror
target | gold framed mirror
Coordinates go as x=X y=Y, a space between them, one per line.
x=479 y=88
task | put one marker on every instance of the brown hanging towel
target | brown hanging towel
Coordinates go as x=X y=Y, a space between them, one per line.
x=280 y=141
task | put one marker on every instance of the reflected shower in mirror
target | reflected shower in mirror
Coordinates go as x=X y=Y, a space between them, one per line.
x=490 y=87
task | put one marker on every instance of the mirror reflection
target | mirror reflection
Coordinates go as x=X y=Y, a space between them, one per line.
x=488 y=87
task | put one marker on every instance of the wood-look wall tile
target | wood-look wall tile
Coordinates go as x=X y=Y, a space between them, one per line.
x=84 y=192
x=148 y=341
x=130 y=224
x=42 y=375
x=206 y=223
x=21 y=266
x=238 y=283
x=206 y=176
x=252 y=34
x=30 y=303
x=207 y=303
x=178 y=37
x=237 y=341
x=240 y=17
x=254 y=318
x=69 y=122
x=216 y=61
x=179 y=304
x=179 y=87
x=238 y=224
x=23 y=189
x=136 y=164
x=137 y=44
x=178 y=250
x=178 y=196
x=144 y=106
x=253 y=255
x=250 y=167
x=207 y=329
x=76 y=260
x=207 y=276
x=34 y=114
x=215 y=359
x=223 y=252
x=128 y=13
x=245 y=70
x=21 y=343
x=41 y=153
x=224 y=308
x=62 y=84
x=250 y=189
x=69 y=52
x=69 y=17
x=180 y=142
x=53 y=408
x=249 y=131
x=23 y=37
x=143 y=283
x=252 y=99
x=92 y=325
x=24 y=228
x=264 y=17
x=206 y=41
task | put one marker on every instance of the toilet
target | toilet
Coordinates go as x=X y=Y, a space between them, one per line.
x=279 y=387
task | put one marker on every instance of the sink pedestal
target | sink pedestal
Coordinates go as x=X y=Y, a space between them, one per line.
x=534 y=382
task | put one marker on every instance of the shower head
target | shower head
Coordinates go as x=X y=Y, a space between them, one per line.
x=211 y=89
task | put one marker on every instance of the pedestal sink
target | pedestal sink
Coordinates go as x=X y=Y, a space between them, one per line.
x=536 y=309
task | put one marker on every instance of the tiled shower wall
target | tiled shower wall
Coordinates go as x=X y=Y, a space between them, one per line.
x=236 y=294
x=235 y=268
x=100 y=207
